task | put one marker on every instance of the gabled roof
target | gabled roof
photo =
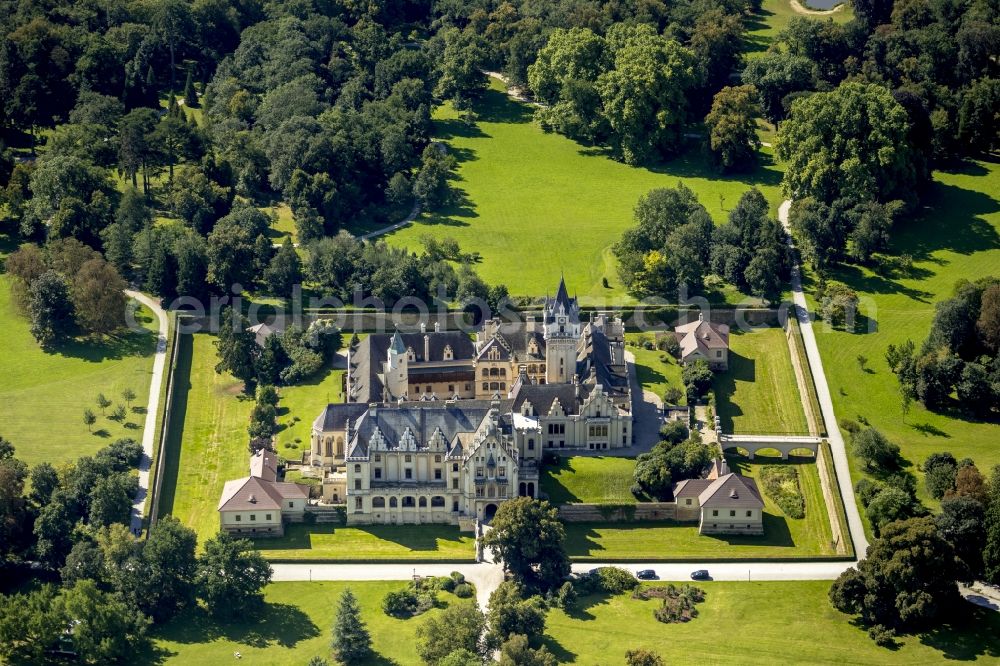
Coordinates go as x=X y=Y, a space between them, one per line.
x=264 y=465
x=542 y=396
x=731 y=491
x=366 y=360
x=251 y=493
x=337 y=416
x=701 y=336
x=690 y=488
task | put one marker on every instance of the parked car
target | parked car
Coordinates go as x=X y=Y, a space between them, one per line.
x=700 y=574
x=645 y=574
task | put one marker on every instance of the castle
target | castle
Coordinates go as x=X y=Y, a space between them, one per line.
x=438 y=427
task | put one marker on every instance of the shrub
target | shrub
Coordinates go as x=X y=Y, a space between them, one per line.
x=669 y=344
x=399 y=603
x=851 y=426
x=566 y=596
x=464 y=591
x=639 y=657
x=678 y=602
x=673 y=395
x=781 y=484
x=882 y=635
x=877 y=452
x=615 y=580
x=457 y=576
x=866 y=490
x=409 y=602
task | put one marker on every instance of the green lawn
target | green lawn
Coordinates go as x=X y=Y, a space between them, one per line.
x=957 y=238
x=207 y=443
x=284 y=225
x=757 y=623
x=43 y=395
x=299 y=407
x=294 y=627
x=652 y=541
x=593 y=480
x=758 y=394
x=525 y=189
x=374 y=542
x=653 y=373
x=763 y=26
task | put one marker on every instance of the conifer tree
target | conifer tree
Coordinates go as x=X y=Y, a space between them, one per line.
x=190 y=97
x=351 y=642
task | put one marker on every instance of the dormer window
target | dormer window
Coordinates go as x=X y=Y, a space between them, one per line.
x=410 y=354
x=448 y=353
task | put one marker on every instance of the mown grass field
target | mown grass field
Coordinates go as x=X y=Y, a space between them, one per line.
x=651 y=371
x=758 y=393
x=299 y=407
x=525 y=191
x=957 y=237
x=43 y=395
x=207 y=442
x=783 y=537
x=757 y=623
x=374 y=542
x=593 y=480
x=294 y=627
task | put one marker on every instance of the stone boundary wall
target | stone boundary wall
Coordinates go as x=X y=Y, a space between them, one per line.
x=829 y=486
x=153 y=501
x=616 y=513
x=650 y=318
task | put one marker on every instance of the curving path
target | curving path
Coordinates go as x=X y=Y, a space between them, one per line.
x=152 y=407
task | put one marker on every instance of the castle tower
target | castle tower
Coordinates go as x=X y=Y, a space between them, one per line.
x=396 y=380
x=562 y=336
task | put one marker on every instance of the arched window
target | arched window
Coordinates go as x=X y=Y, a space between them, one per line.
x=503 y=372
x=486 y=372
x=392 y=503
x=378 y=502
x=408 y=502
x=422 y=502
x=437 y=501
x=486 y=385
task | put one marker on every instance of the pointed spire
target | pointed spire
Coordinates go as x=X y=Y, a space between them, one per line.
x=397 y=343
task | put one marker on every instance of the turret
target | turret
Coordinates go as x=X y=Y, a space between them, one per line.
x=396 y=376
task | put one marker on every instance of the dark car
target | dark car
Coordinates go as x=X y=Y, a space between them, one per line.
x=646 y=574
x=700 y=574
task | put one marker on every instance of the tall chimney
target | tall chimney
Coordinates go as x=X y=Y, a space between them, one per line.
x=427 y=348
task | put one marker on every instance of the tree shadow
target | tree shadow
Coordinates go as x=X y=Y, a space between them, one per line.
x=955 y=221
x=966 y=635
x=107 y=348
x=178 y=414
x=741 y=368
x=558 y=650
x=423 y=539
x=102 y=432
x=927 y=430
x=452 y=128
x=497 y=107
x=281 y=625
x=856 y=278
